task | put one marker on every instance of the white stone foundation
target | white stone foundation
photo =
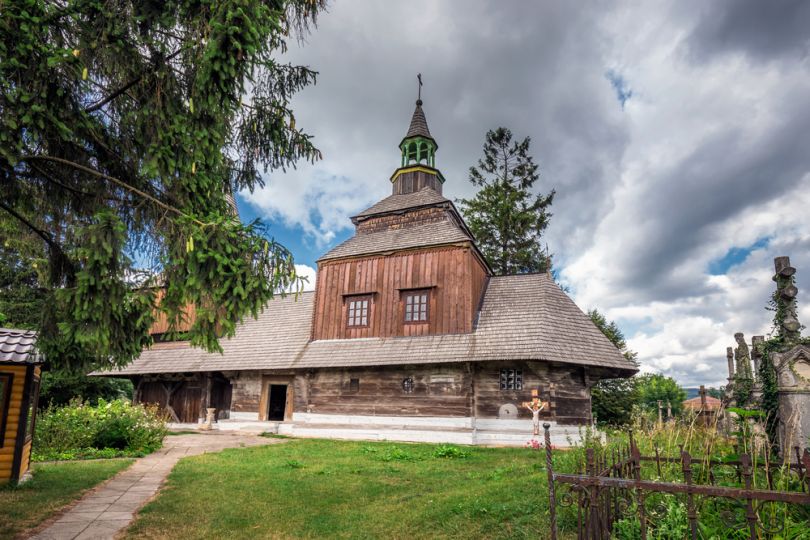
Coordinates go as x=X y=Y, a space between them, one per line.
x=473 y=431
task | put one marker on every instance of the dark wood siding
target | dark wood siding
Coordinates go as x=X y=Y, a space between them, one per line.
x=454 y=275
x=437 y=391
x=564 y=387
x=183 y=397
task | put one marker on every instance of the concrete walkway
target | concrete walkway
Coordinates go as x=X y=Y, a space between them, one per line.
x=110 y=507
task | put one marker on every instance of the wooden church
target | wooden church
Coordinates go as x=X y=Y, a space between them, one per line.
x=407 y=336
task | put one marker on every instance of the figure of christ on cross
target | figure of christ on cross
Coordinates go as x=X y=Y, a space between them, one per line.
x=535 y=406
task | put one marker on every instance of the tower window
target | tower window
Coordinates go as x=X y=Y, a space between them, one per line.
x=358 y=311
x=416 y=306
x=511 y=379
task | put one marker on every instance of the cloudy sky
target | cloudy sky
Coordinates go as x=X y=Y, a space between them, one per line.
x=677 y=136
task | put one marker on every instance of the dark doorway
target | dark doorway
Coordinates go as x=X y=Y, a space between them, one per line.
x=278 y=401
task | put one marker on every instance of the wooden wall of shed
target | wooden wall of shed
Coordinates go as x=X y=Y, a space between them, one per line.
x=564 y=387
x=454 y=274
x=186 y=395
x=12 y=421
x=438 y=391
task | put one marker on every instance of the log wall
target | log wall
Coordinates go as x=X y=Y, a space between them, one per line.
x=449 y=390
x=454 y=275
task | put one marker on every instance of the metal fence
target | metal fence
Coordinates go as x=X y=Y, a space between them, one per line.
x=612 y=488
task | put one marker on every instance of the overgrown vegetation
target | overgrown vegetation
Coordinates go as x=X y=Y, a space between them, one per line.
x=53 y=486
x=108 y=429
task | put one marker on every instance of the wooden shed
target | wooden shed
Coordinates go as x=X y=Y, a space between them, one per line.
x=19 y=391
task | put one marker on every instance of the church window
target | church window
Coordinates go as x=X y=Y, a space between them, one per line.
x=354 y=385
x=407 y=385
x=511 y=379
x=416 y=306
x=358 y=311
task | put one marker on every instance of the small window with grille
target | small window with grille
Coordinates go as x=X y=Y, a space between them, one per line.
x=416 y=306
x=358 y=311
x=511 y=379
x=407 y=385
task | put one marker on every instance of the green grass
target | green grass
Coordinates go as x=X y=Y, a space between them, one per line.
x=327 y=489
x=53 y=486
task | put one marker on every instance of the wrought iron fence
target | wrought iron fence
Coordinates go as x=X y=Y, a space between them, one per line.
x=611 y=488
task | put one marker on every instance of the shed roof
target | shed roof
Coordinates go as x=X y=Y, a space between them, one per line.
x=18 y=346
x=712 y=404
x=525 y=317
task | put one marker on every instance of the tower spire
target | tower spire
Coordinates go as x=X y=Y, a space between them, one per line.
x=418 y=167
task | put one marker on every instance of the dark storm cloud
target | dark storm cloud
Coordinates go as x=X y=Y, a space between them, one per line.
x=536 y=68
x=721 y=180
x=763 y=30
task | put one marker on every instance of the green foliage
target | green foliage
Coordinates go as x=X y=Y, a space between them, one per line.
x=60 y=387
x=21 y=262
x=125 y=127
x=505 y=216
x=449 y=451
x=117 y=425
x=655 y=387
x=613 y=400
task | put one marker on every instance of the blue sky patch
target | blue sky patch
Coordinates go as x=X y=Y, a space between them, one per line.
x=619 y=84
x=735 y=256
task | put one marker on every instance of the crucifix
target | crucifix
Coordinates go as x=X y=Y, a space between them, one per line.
x=419 y=94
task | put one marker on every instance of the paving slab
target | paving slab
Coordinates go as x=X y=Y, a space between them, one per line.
x=109 y=508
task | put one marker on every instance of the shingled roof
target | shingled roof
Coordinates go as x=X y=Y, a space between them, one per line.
x=427 y=196
x=418 y=127
x=18 y=346
x=524 y=317
x=428 y=234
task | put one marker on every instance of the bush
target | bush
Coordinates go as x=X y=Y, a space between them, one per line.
x=60 y=387
x=82 y=430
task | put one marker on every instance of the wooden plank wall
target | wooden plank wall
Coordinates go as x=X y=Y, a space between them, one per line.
x=438 y=391
x=564 y=387
x=186 y=398
x=444 y=390
x=455 y=275
x=12 y=422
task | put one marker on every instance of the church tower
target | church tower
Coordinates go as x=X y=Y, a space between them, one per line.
x=418 y=166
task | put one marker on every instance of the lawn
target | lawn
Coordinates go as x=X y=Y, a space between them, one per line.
x=326 y=489
x=53 y=486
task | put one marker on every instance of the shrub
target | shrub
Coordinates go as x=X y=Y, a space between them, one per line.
x=81 y=430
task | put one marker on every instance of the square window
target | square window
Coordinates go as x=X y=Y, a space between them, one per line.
x=354 y=385
x=358 y=311
x=511 y=379
x=416 y=306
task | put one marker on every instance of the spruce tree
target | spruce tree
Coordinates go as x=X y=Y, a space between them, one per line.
x=506 y=217
x=125 y=127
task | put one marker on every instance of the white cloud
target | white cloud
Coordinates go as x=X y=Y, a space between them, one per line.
x=709 y=152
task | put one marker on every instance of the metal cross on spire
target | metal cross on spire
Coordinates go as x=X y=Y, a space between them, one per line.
x=419 y=78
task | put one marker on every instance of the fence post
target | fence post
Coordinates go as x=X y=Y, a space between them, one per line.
x=552 y=496
x=642 y=512
x=686 y=467
x=750 y=515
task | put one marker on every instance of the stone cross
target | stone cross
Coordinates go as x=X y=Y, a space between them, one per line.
x=730 y=358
